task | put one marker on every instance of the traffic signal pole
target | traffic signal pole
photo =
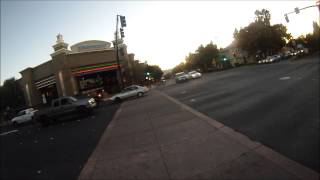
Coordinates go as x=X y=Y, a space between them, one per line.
x=297 y=10
x=118 y=61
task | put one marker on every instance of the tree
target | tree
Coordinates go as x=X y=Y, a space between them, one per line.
x=179 y=68
x=259 y=37
x=11 y=95
x=155 y=71
x=313 y=40
x=263 y=16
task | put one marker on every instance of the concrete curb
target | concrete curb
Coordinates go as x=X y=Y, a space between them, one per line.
x=291 y=166
x=89 y=167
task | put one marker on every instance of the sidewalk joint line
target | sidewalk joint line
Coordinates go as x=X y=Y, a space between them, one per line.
x=158 y=144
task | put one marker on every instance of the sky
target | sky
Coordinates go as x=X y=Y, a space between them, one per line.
x=159 y=32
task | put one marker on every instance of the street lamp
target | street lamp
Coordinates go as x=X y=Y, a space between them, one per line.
x=123 y=24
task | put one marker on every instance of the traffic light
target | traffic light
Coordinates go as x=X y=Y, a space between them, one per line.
x=123 y=21
x=297 y=10
x=286 y=16
x=121 y=33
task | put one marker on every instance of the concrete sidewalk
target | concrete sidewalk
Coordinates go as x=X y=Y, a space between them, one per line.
x=157 y=137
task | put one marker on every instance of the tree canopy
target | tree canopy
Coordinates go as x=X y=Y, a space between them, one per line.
x=11 y=95
x=261 y=37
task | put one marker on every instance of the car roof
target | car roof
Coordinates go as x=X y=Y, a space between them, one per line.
x=180 y=73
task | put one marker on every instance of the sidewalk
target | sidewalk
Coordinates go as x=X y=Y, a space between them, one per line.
x=157 y=137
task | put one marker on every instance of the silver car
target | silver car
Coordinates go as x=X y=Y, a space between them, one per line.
x=130 y=91
x=24 y=116
x=182 y=77
x=195 y=74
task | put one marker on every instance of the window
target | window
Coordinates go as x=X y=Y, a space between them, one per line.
x=64 y=101
x=21 y=113
x=56 y=103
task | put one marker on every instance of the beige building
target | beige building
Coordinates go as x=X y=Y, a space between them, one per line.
x=87 y=66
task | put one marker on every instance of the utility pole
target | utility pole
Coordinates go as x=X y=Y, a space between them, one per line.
x=117 y=48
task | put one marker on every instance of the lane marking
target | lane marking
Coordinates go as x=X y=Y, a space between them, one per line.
x=5 y=133
x=284 y=78
x=192 y=100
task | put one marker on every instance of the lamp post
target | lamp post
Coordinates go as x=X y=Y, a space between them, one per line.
x=123 y=24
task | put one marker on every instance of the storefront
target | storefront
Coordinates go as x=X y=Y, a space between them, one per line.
x=87 y=67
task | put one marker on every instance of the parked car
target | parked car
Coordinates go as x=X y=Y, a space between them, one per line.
x=195 y=74
x=23 y=116
x=182 y=77
x=270 y=59
x=64 y=107
x=129 y=92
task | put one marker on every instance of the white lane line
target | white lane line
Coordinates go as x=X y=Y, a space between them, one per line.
x=5 y=133
x=192 y=100
x=284 y=78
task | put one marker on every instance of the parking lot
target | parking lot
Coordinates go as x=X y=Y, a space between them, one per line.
x=58 y=151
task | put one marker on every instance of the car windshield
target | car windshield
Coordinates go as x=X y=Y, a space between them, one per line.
x=73 y=99
x=180 y=74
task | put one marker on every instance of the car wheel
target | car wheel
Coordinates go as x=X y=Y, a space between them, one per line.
x=140 y=94
x=118 y=100
x=82 y=110
x=15 y=124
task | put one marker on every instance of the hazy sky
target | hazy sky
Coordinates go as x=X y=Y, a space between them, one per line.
x=160 y=32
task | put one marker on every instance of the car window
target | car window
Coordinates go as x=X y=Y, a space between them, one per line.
x=56 y=103
x=65 y=101
x=21 y=113
x=180 y=74
x=73 y=99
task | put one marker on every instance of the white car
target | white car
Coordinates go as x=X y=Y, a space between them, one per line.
x=195 y=74
x=130 y=91
x=24 y=116
x=182 y=77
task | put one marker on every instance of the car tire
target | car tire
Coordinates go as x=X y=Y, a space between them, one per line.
x=117 y=100
x=15 y=124
x=82 y=110
x=140 y=94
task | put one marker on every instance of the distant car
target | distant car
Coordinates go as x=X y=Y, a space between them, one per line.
x=270 y=59
x=128 y=92
x=195 y=74
x=274 y=58
x=24 y=116
x=182 y=77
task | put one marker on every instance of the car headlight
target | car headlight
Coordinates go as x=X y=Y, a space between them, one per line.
x=92 y=101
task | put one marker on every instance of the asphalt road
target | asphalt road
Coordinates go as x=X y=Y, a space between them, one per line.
x=275 y=104
x=55 y=152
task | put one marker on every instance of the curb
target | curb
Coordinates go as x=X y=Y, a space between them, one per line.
x=289 y=165
x=89 y=166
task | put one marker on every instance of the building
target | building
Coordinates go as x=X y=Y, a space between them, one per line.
x=236 y=55
x=86 y=67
